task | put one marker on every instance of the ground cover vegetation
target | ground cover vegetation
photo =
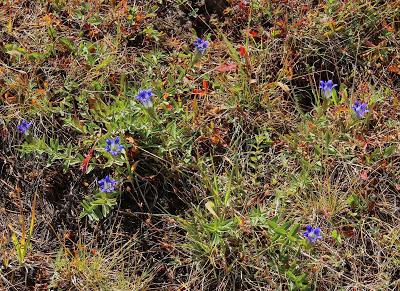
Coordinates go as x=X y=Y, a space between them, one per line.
x=199 y=145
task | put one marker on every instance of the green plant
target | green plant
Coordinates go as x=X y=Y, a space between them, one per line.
x=219 y=236
x=23 y=244
x=92 y=269
x=54 y=151
x=98 y=206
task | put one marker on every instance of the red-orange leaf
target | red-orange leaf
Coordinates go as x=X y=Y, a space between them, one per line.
x=394 y=69
x=226 y=68
x=169 y=106
x=242 y=51
x=199 y=92
x=253 y=33
x=85 y=162
x=205 y=85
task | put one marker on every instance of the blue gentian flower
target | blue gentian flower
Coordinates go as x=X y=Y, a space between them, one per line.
x=144 y=97
x=326 y=88
x=107 y=184
x=360 y=108
x=113 y=146
x=24 y=126
x=313 y=234
x=201 y=45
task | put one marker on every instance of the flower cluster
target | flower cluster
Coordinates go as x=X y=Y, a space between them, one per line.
x=201 y=45
x=144 y=97
x=24 y=126
x=312 y=234
x=107 y=184
x=360 y=108
x=327 y=88
x=113 y=146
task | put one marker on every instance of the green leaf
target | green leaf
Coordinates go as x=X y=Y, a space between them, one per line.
x=36 y=56
x=336 y=236
x=98 y=207
x=335 y=97
x=68 y=43
x=104 y=63
x=389 y=151
x=280 y=230
x=353 y=200
x=52 y=32
x=14 y=50
x=95 y=20
x=294 y=229
x=232 y=51
x=272 y=224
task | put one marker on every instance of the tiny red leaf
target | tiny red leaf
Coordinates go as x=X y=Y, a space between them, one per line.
x=205 y=85
x=243 y=4
x=364 y=175
x=253 y=33
x=85 y=162
x=242 y=51
x=199 y=92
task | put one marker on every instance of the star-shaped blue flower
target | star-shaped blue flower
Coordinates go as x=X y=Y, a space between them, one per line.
x=113 y=146
x=24 y=126
x=312 y=234
x=327 y=88
x=360 y=108
x=201 y=45
x=107 y=184
x=144 y=97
